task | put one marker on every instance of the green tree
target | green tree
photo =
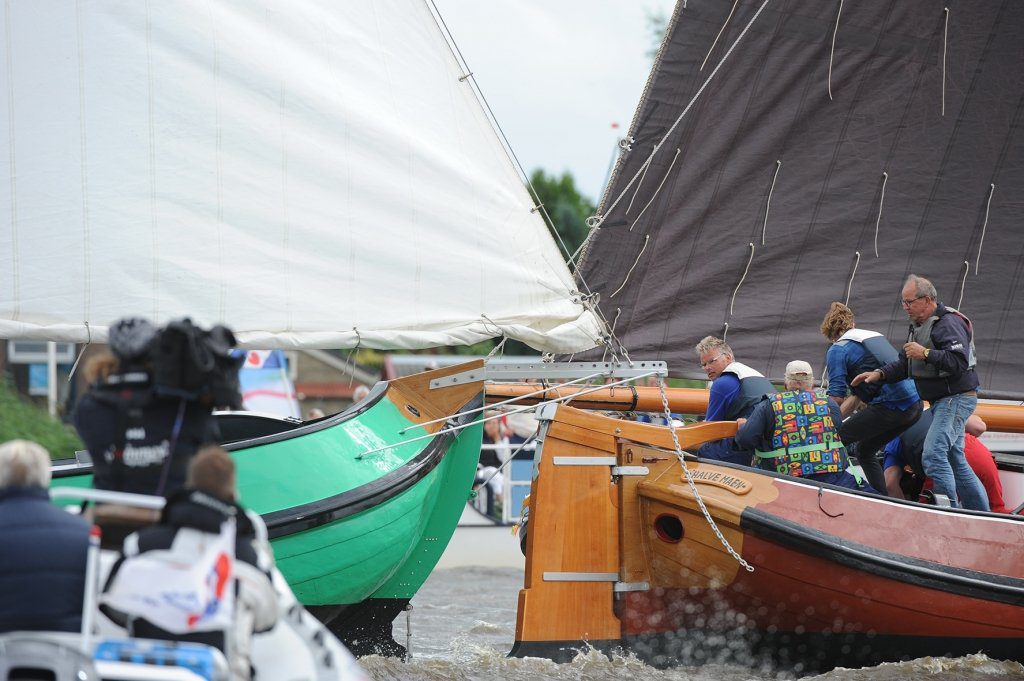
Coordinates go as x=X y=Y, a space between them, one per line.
x=567 y=208
x=23 y=420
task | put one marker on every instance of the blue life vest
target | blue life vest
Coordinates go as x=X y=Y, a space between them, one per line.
x=877 y=352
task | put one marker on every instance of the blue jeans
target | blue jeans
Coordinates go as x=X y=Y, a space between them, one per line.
x=943 y=455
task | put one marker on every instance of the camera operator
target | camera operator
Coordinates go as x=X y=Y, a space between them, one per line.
x=139 y=420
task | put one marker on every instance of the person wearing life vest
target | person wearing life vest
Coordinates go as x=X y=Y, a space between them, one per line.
x=735 y=389
x=939 y=356
x=889 y=409
x=794 y=432
x=906 y=449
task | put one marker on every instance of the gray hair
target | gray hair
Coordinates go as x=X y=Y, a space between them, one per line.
x=24 y=464
x=922 y=287
x=713 y=344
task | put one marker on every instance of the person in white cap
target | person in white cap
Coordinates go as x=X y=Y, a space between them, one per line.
x=795 y=432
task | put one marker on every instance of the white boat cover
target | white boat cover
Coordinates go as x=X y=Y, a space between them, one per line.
x=311 y=174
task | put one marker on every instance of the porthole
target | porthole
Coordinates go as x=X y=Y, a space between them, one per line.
x=669 y=528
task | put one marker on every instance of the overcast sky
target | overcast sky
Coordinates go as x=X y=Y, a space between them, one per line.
x=558 y=74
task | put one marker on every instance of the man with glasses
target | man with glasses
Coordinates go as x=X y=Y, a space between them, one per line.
x=939 y=356
x=735 y=390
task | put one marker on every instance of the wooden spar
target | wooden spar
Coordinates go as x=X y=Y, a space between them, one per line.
x=1003 y=418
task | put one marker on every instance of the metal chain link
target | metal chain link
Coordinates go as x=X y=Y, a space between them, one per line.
x=689 y=479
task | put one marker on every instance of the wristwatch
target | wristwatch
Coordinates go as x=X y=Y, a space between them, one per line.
x=926 y=351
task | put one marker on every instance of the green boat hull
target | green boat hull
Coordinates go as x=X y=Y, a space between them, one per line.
x=348 y=529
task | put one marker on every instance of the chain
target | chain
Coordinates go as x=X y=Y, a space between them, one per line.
x=689 y=479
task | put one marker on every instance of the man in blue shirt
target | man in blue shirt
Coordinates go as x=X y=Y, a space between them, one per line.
x=889 y=409
x=735 y=390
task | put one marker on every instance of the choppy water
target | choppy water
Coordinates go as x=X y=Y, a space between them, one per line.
x=463 y=624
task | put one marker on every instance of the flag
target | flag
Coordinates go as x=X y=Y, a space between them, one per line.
x=180 y=596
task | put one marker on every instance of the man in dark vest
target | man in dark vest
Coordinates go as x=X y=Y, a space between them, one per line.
x=939 y=356
x=42 y=562
x=735 y=389
x=794 y=432
x=888 y=410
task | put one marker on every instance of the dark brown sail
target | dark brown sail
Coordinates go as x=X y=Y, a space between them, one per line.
x=834 y=149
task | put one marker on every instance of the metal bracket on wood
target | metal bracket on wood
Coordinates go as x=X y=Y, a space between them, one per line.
x=622 y=587
x=581 y=576
x=584 y=461
x=630 y=470
x=508 y=371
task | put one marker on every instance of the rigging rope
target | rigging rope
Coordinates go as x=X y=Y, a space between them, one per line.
x=945 y=42
x=768 y=205
x=88 y=342
x=849 y=284
x=647 y=165
x=885 y=179
x=984 y=226
x=963 y=283
x=720 y=31
x=745 y=270
x=831 y=54
x=689 y=479
x=647 y=239
x=655 y=195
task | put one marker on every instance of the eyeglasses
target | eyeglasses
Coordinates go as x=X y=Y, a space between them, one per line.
x=908 y=303
x=705 y=365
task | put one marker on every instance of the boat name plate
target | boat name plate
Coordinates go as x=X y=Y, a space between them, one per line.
x=734 y=484
x=581 y=576
x=585 y=461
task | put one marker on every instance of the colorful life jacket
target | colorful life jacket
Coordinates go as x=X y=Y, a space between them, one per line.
x=805 y=439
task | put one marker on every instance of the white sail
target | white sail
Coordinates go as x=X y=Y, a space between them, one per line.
x=309 y=173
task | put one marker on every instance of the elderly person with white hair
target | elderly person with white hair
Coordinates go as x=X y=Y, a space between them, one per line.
x=795 y=432
x=42 y=562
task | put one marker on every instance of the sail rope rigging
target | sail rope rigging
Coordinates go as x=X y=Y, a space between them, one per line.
x=746 y=269
x=768 y=204
x=720 y=31
x=688 y=474
x=88 y=341
x=945 y=42
x=849 y=284
x=599 y=219
x=984 y=226
x=647 y=239
x=832 y=53
x=878 y=220
x=656 y=191
x=647 y=165
x=963 y=283
x=589 y=301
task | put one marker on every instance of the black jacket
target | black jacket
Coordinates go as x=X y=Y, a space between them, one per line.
x=130 y=432
x=43 y=553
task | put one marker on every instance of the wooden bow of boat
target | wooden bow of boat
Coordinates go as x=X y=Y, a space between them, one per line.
x=1004 y=418
x=620 y=553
